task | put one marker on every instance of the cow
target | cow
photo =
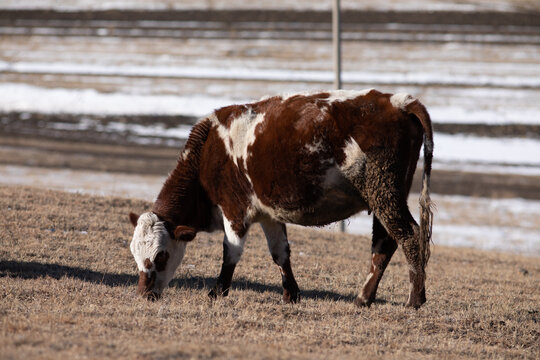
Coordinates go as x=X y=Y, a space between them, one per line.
x=309 y=159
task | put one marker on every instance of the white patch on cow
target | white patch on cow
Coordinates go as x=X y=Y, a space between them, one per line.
x=276 y=238
x=323 y=113
x=278 y=214
x=240 y=135
x=287 y=96
x=314 y=147
x=401 y=100
x=234 y=242
x=354 y=159
x=185 y=154
x=345 y=95
x=149 y=238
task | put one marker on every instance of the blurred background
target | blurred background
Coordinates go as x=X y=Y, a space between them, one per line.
x=99 y=97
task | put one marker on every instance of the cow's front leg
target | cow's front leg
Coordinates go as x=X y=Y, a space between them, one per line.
x=233 y=246
x=276 y=236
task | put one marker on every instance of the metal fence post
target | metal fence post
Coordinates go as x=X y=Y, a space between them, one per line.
x=336 y=43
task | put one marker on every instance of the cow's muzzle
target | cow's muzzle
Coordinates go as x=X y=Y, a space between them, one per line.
x=146 y=284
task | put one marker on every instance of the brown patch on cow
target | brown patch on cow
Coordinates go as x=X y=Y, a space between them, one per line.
x=161 y=260
x=147 y=263
x=225 y=182
x=146 y=283
x=182 y=200
x=184 y=233
x=133 y=218
x=228 y=114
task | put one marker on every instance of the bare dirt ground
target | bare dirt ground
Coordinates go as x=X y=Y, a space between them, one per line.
x=67 y=289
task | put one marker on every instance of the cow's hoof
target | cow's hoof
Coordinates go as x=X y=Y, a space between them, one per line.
x=291 y=297
x=418 y=300
x=413 y=304
x=217 y=292
x=362 y=302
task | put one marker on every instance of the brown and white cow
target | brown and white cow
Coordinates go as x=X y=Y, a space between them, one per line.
x=308 y=159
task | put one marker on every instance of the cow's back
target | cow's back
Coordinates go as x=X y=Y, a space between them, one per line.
x=301 y=158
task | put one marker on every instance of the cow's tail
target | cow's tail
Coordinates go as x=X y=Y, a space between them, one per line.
x=426 y=214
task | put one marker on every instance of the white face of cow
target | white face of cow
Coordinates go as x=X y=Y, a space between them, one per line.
x=157 y=254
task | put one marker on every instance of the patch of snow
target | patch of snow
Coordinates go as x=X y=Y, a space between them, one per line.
x=466 y=114
x=488 y=169
x=144 y=187
x=508 y=225
x=507 y=239
x=474 y=149
x=22 y=97
x=28 y=98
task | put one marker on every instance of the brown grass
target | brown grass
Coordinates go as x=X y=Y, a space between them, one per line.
x=67 y=289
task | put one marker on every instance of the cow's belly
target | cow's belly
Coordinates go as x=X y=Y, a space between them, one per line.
x=334 y=207
x=338 y=200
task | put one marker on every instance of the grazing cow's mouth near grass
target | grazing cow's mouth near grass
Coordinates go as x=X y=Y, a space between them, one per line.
x=308 y=159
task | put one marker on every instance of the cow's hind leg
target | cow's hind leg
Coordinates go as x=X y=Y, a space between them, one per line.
x=400 y=225
x=382 y=248
x=233 y=247
x=276 y=236
x=390 y=207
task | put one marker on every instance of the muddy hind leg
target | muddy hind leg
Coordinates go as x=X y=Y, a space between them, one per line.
x=401 y=226
x=391 y=210
x=382 y=249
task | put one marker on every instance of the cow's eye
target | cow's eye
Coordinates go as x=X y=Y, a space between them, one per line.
x=161 y=260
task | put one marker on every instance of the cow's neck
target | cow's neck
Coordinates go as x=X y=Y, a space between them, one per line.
x=182 y=200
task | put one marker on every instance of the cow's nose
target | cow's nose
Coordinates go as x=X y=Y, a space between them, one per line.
x=146 y=283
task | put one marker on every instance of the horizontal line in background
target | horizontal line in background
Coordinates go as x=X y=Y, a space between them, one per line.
x=277 y=75
x=426 y=36
x=275 y=25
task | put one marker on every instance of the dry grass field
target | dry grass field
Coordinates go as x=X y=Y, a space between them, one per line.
x=67 y=290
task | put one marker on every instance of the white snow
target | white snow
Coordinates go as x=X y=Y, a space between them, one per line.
x=497 y=114
x=23 y=97
x=157 y=130
x=489 y=169
x=522 y=155
x=509 y=225
x=28 y=98
x=89 y=182
x=474 y=149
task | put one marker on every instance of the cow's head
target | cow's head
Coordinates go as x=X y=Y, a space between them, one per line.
x=158 y=249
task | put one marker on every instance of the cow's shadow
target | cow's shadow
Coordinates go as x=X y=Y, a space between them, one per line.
x=35 y=270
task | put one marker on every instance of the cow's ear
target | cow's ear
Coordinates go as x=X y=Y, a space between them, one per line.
x=184 y=233
x=133 y=218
